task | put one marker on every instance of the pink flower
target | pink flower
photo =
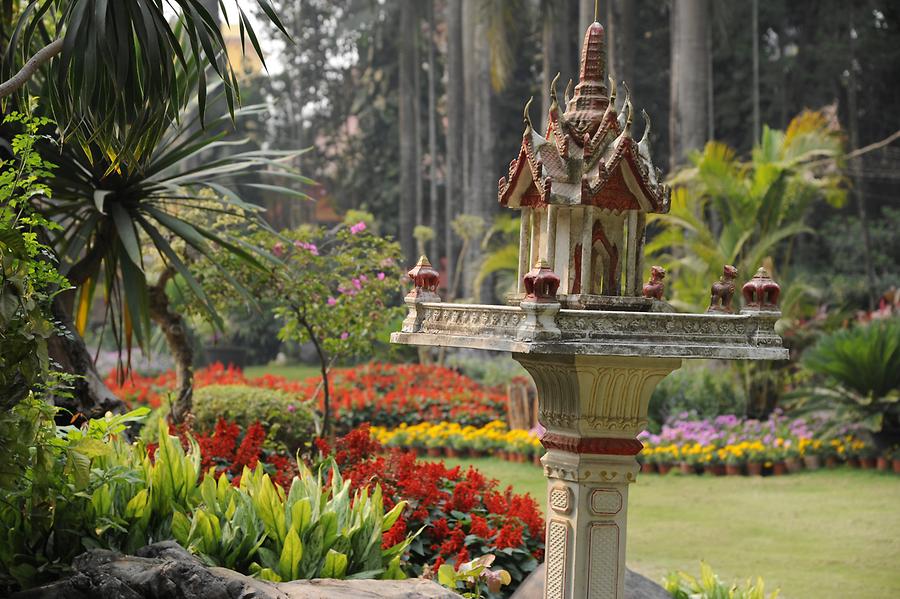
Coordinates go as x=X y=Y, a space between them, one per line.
x=291 y=408
x=363 y=278
x=358 y=227
x=332 y=301
x=344 y=335
x=357 y=284
x=381 y=276
x=278 y=249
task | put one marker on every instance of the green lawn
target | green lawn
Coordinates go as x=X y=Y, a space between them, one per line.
x=294 y=372
x=818 y=535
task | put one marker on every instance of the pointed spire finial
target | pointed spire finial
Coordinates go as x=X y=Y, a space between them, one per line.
x=525 y=116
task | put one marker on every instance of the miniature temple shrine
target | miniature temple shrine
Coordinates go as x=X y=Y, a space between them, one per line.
x=584 y=190
x=594 y=340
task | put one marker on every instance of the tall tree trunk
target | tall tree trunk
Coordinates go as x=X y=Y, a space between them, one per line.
x=586 y=15
x=174 y=328
x=417 y=117
x=689 y=110
x=859 y=191
x=620 y=39
x=433 y=200
x=456 y=92
x=409 y=162
x=560 y=42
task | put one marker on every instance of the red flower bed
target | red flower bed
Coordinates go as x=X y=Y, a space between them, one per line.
x=378 y=394
x=463 y=514
x=228 y=449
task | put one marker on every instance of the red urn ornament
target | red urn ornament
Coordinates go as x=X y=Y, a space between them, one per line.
x=541 y=283
x=425 y=278
x=655 y=287
x=761 y=292
x=723 y=290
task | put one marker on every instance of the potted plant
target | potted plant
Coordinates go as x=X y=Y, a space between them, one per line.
x=866 y=454
x=810 y=450
x=792 y=459
x=756 y=456
x=734 y=460
x=894 y=457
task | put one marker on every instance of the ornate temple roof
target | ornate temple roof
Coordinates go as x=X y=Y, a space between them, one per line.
x=588 y=155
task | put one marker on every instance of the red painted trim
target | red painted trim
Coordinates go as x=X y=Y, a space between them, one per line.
x=593 y=445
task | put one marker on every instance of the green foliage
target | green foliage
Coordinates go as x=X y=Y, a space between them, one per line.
x=706 y=391
x=71 y=489
x=708 y=586
x=725 y=211
x=312 y=531
x=28 y=276
x=856 y=378
x=117 y=83
x=288 y=421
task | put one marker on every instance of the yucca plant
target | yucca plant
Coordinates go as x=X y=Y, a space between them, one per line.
x=856 y=379
x=111 y=69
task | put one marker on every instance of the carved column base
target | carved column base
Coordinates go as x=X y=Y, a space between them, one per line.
x=592 y=407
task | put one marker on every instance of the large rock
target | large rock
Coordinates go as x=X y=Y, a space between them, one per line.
x=167 y=571
x=636 y=587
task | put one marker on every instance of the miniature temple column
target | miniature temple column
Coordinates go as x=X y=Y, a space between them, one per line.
x=587 y=242
x=552 y=217
x=592 y=407
x=524 y=249
x=535 y=237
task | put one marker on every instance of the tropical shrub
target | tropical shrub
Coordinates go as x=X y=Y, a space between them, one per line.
x=288 y=422
x=856 y=379
x=28 y=277
x=706 y=392
x=708 y=586
x=85 y=487
x=461 y=514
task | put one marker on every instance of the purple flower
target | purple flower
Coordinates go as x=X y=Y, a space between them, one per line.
x=332 y=301
x=356 y=283
x=291 y=408
x=381 y=276
x=358 y=227
x=344 y=335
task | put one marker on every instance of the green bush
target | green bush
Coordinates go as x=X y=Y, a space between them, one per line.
x=288 y=421
x=682 y=585
x=705 y=391
x=855 y=379
x=86 y=488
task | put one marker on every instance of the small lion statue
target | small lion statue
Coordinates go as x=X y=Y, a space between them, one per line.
x=655 y=286
x=723 y=290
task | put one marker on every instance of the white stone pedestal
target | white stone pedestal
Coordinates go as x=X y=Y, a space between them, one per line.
x=592 y=407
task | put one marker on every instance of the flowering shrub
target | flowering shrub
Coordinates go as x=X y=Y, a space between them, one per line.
x=462 y=514
x=380 y=394
x=729 y=440
x=491 y=438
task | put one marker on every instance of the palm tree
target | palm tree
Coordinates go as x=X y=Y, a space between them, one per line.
x=761 y=205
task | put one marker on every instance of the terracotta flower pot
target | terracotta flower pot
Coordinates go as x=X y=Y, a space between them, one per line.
x=867 y=463
x=831 y=462
x=779 y=469
x=715 y=469
x=812 y=462
x=648 y=468
x=754 y=468
x=434 y=452
x=536 y=459
x=665 y=468
x=686 y=468
x=793 y=465
x=895 y=465
x=853 y=462
x=451 y=452
x=733 y=469
x=882 y=464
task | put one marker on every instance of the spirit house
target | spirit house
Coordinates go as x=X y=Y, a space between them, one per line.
x=584 y=190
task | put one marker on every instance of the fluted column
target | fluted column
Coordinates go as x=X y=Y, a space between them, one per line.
x=593 y=407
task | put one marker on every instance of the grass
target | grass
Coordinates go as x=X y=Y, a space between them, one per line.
x=824 y=534
x=294 y=372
